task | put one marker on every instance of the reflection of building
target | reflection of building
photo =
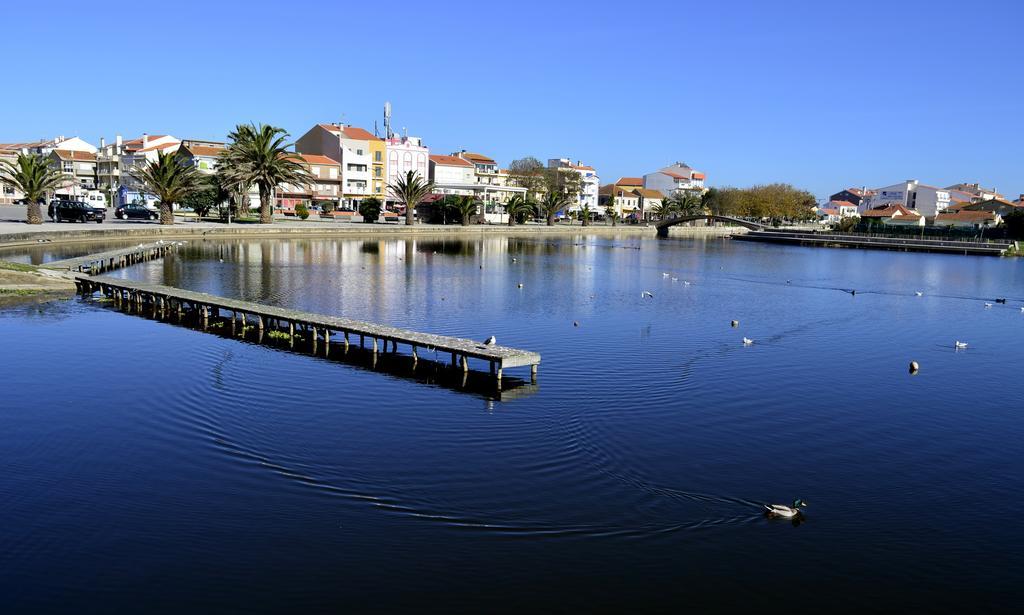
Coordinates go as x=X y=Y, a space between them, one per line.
x=678 y=177
x=590 y=183
x=925 y=200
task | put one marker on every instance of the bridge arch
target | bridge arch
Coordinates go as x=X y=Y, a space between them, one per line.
x=663 y=225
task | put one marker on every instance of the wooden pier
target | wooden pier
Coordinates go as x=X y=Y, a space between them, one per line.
x=94 y=264
x=994 y=248
x=168 y=300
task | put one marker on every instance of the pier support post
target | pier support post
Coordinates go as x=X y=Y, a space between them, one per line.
x=375 y=344
x=533 y=373
x=465 y=364
x=259 y=322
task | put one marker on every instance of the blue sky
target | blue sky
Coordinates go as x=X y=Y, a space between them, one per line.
x=819 y=94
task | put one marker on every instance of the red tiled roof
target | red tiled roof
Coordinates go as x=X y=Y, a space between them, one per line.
x=675 y=175
x=841 y=204
x=451 y=161
x=67 y=154
x=966 y=216
x=630 y=181
x=317 y=159
x=648 y=193
x=203 y=150
x=698 y=175
x=353 y=132
x=892 y=211
x=478 y=158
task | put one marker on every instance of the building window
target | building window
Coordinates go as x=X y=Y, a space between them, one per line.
x=377 y=156
x=359 y=152
x=377 y=171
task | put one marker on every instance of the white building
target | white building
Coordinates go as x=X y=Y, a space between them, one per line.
x=452 y=175
x=976 y=192
x=590 y=183
x=911 y=194
x=675 y=178
x=406 y=154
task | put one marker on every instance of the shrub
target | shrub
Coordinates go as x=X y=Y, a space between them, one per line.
x=302 y=211
x=369 y=209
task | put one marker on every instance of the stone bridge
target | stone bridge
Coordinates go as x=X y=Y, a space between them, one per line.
x=663 y=225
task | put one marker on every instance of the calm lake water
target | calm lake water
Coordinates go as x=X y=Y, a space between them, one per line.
x=151 y=467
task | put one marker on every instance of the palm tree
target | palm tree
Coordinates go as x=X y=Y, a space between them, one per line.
x=551 y=204
x=170 y=179
x=517 y=206
x=409 y=191
x=689 y=204
x=258 y=155
x=610 y=211
x=465 y=205
x=665 y=208
x=585 y=215
x=33 y=176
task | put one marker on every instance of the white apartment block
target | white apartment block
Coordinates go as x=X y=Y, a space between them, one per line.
x=926 y=200
x=678 y=177
x=590 y=183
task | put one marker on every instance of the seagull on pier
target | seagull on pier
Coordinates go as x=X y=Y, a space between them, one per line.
x=491 y=341
x=747 y=341
x=959 y=345
x=647 y=295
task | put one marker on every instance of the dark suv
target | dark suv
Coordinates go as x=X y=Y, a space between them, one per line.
x=135 y=212
x=75 y=211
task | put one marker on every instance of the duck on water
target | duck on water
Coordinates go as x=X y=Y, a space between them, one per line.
x=787 y=512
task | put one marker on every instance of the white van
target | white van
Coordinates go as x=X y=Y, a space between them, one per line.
x=94 y=198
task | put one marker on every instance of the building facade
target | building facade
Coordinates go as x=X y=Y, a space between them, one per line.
x=590 y=183
x=362 y=157
x=406 y=154
x=911 y=194
x=325 y=190
x=675 y=178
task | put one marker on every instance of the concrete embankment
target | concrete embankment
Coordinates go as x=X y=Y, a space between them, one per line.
x=298 y=230
x=24 y=283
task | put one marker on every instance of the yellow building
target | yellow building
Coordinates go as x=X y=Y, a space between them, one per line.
x=378 y=169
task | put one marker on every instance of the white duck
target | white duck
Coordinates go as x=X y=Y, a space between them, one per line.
x=788 y=512
x=959 y=345
x=647 y=295
x=919 y=294
x=747 y=341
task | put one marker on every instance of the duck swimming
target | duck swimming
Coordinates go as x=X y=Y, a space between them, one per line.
x=781 y=510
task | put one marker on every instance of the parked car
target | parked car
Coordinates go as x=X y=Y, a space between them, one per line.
x=135 y=212
x=75 y=211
